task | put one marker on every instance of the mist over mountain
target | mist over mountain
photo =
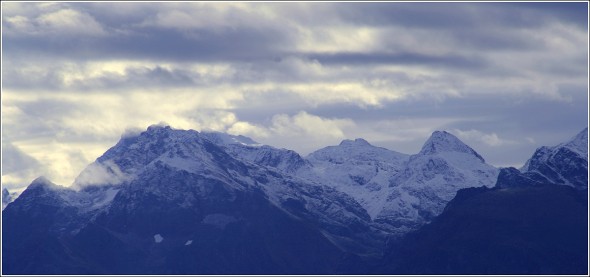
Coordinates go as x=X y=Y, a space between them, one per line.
x=8 y=197
x=168 y=201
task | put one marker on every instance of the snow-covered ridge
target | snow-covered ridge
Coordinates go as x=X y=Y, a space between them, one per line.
x=226 y=139
x=565 y=163
x=579 y=143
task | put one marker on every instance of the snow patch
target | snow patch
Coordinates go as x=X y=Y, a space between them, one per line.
x=188 y=165
x=108 y=196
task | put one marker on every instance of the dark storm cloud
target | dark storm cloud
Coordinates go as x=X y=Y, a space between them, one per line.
x=142 y=77
x=492 y=39
x=451 y=61
x=456 y=16
x=417 y=15
x=573 y=12
x=239 y=44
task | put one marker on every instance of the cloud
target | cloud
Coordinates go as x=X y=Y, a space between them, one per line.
x=70 y=22
x=530 y=140
x=490 y=139
x=104 y=173
x=58 y=161
x=408 y=58
x=15 y=160
x=18 y=168
x=248 y=129
x=302 y=132
x=63 y=22
x=308 y=124
x=293 y=75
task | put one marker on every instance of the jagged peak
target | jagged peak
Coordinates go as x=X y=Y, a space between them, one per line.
x=358 y=141
x=443 y=141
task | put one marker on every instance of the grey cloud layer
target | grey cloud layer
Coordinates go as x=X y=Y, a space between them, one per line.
x=76 y=75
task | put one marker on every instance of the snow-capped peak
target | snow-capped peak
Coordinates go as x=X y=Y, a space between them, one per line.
x=442 y=141
x=181 y=149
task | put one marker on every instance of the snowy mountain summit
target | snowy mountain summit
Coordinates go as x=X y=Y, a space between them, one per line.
x=226 y=139
x=442 y=141
x=431 y=178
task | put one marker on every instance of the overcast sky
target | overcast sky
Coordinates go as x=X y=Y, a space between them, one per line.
x=505 y=78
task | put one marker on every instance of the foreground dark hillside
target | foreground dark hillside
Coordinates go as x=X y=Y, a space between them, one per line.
x=530 y=230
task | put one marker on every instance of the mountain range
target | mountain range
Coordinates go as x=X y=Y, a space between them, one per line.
x=169 y=201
